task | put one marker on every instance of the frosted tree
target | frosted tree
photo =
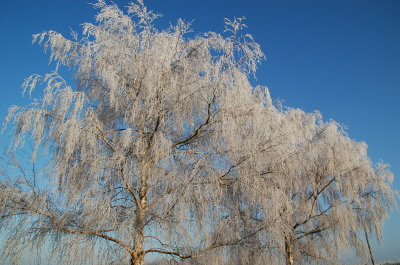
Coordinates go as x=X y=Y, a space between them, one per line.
x=316 y=188
x=165 y=147
x=138 y=157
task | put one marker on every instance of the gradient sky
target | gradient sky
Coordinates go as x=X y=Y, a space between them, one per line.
x=341 y=57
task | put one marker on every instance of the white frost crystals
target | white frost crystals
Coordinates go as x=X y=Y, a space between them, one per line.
x=165 y=147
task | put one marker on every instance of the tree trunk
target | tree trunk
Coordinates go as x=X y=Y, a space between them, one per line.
x=289 y=253
x=137 y=259
x=369 y=246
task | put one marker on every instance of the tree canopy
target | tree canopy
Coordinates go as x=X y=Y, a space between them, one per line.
x=164 y=146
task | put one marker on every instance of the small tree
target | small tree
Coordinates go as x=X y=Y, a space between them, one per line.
x=165 y=147
x=322 y=191
x=306 y=188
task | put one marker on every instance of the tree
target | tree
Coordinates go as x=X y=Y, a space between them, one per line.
x=137 y=150
x=165 y=147
x=322 y=192
x=308 y=190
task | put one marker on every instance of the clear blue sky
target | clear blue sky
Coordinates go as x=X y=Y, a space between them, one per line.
x=341 y=57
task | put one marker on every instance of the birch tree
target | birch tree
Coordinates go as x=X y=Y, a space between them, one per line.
x=163 y=146
x=138 y=155
x=309 y=191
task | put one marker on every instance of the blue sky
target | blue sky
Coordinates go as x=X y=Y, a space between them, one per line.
x=339 y=57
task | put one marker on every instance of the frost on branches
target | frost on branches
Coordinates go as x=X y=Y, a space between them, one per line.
x=164 y=147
